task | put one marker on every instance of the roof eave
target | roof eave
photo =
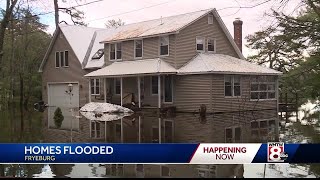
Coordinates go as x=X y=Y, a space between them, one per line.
x=228 y=72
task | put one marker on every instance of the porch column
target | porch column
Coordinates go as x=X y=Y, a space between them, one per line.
x=89 y=95
x=121 y=124
x=139 y=92
x=139 y=129
x=105 y=89
x=159 y=91
x=160 y=130
x=121 y=90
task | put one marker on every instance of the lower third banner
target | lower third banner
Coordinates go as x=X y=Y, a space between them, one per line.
x=275 y=152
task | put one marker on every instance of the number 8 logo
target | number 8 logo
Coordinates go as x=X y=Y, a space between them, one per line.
x=275 y=153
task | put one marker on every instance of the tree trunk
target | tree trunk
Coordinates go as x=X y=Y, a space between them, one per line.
x=56 y=12
x=3 y=25
x=1 y=170
x=21 y=90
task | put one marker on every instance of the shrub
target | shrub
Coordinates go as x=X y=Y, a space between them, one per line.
x=58 y=117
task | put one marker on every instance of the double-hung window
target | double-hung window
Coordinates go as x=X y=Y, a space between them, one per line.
x=200 y=41
x=62 y=59
x=164 y=45
x=138 y=48
x=262 y=87
x=115 y=51
x=95 y=86
x=154 y=85
x=117 y=86
x=211 y=45
x=232 y=85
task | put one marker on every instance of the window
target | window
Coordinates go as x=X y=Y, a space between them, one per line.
x=233 y=135
x=138 y=48
x=210 y=19
x=62 y=59
x=211 y=45
x=57 y=59
x=263 y=130
x=262 y=87
x=154 y=84
x=232 y=85
x=95 y=86
x=165 y=171
x=117 y=86
x=115 y=51
x=164 y=45
x=95 y=129
x=200 y=43
x=98 y=54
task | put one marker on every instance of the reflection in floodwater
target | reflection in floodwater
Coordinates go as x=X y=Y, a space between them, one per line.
x=148 y=128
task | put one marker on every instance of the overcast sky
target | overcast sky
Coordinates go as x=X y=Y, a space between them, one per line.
x=130 y=11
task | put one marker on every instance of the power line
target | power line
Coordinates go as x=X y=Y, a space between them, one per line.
x=244 y=7
x=131 y=11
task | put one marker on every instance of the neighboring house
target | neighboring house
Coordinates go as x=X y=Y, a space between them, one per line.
x=73 y=52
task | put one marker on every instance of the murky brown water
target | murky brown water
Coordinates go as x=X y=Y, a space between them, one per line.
x=139 y=128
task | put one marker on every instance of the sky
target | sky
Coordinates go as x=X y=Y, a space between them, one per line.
x=131 y=11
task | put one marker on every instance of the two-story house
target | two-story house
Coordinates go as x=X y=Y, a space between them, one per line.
x=185 y=61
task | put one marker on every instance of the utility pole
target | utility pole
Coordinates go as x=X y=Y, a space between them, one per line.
x=56 y=12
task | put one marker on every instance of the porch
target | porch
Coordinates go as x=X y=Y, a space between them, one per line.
x=140 y=84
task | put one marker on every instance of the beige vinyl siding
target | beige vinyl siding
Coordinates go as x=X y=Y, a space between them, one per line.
x=186 y=40
x=194 y=90
x=73 y=73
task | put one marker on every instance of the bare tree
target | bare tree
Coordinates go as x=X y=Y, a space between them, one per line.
x=114 y=23
x=4 y=23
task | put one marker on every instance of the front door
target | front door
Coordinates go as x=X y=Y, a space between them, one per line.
x=168 y=89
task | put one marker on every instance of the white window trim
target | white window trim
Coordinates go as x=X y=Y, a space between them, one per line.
x=204 y=44
x=151 y=86
x=134 y=49
x=267 y=91
x=95 y=86
x=161 y=171
x=232 y=86
x=210 y=15
x=160 y=46
x=65 y=58
x=214 y=45
x=115 y=48
x=233 y=133
x=115 y=87
x=55 y=59
x=164 y=92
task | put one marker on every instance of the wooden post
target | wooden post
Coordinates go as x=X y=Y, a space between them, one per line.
x=139 y=92
x=159 y=130
x=139 y=129
x=297 y=108
x=121 y=124
x=105 y=89
x=277 y=118
x=89 y=95
x=121 y=91
x=159 y=91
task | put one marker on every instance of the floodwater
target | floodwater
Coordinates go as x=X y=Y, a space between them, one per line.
x=149 y=128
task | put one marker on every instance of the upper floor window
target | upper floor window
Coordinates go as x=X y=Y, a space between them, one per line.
x=164 y=45
x=263 y=87
x=200 y=43
x=211 y=45
x=210 y=19
x=154 y=84
x=98 y=54
x=138 y=48
x=115 y=51
x=62 y=59
x=95 y=86
x=232 y=85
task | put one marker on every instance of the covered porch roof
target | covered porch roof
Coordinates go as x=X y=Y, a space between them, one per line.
x=134 y=68
x=207 y=63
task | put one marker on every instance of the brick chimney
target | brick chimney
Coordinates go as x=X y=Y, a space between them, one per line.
x=237 y=24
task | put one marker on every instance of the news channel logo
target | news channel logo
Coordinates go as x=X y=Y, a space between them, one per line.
x=276 y=152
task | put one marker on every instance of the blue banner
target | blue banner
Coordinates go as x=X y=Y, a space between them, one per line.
x=203 y=153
